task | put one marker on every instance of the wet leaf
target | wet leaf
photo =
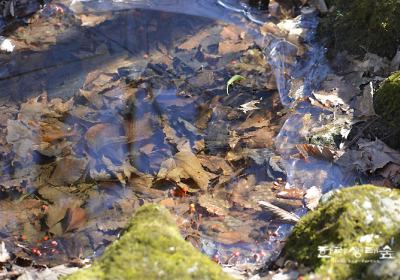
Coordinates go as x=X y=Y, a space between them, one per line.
x=92 y=20
x=316 y=151
x=101 y=135
x=76 y=218
x=249 y=106
x=291 y=193
x=279 y=212
x=194 y=41
x=190 y=164
x=111 y=220
x=312 y=197
x=232 y=80
x=214 y=205
x=96 y=99
x=58 y=211
x=68 y=171
x=233 y=237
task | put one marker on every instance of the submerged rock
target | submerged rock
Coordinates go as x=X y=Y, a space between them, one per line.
x=355 y=234
x=151 y=247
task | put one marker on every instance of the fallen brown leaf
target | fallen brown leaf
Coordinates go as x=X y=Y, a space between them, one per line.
x=76 y=218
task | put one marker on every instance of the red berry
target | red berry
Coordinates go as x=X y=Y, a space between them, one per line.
x=38 y=253
x=23 y=237
x=398 y=171
x=233 y=62
x=56 y=252
x=275 y=234
x=216 y=258
x=262 y=253
x=269 y=232
x=44 y=207
x=146 y=56
x=256 y=256
x=53 y=243
x=237 y=254
x=45 y=238
x=185 y=189
x=34 y=251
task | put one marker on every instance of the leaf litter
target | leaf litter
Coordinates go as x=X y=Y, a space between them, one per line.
x=165 y=131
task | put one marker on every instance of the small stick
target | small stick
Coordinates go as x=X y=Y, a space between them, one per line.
x=359 y=134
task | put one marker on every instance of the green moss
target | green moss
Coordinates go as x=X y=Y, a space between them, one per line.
x=372 y=24
x=387 y=100
x=349 y=215
x=387 y=105
x=151 y=247
x=330 y=137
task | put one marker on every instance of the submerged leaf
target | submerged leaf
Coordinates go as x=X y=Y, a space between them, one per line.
x=232 y=80
x=76 y=218
x=282 y=214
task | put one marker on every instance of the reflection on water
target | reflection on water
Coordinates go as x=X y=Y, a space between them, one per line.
x=103 y=111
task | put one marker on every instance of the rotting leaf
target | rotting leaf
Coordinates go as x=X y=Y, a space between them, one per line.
x=68 y=171
x=76 y=218
x=57 y=212
x=101 y=135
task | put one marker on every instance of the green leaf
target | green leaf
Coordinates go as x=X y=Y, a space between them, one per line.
x=232 y=80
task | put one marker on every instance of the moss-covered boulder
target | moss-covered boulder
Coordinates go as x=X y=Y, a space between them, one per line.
x=357 y=24
x=356 y=234
x=387 y=105
x=151 y=247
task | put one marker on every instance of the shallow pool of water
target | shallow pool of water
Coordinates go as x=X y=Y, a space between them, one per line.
x=109 y=105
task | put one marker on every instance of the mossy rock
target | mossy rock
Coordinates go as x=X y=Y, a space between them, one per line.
x=151 y=247
x=341 y=223
x=357 y=24
x=387 y=105
x=387 y=100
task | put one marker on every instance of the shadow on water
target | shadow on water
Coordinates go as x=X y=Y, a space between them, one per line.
x=107 y=110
